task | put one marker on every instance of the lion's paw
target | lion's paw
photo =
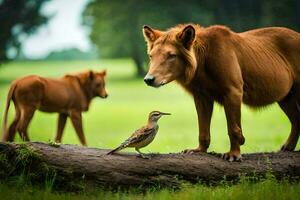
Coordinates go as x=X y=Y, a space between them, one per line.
x=232 y=156
x=193 y=151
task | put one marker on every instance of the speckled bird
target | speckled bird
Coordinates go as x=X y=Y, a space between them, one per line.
x=143 y=136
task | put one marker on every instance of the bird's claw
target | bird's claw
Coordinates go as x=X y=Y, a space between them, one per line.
x=144 y=156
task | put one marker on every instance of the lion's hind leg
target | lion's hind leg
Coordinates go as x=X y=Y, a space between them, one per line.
x=290 y=106
x=9 y=134
x=26 y=116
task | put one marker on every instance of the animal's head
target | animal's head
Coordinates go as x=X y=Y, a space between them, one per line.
x=94 y=83
x=171 y=55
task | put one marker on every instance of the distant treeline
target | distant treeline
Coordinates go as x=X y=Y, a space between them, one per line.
x=72 y=54
x=116 y=25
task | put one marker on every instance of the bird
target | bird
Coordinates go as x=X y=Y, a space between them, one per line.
x=143 y=136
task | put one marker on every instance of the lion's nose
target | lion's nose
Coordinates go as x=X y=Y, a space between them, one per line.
x=149 y=79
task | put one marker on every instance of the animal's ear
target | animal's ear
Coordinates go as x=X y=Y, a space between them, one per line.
x=91 y=75
x=150 y=34
x=187 y=36
x=103 y=73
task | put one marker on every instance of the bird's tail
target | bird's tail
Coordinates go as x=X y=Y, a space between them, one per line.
x=119 y=148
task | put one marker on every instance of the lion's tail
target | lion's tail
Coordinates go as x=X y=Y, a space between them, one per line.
x=9 y=98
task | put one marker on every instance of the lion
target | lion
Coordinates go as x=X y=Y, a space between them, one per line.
x=69 y=96
x=215 y=64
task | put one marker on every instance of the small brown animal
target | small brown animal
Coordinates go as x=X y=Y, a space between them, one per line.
x=257 y=67
x=69 y=96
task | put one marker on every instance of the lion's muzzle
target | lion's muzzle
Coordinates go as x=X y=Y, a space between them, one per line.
x=149 y=79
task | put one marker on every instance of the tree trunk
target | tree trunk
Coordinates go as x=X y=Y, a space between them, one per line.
x=139 y=65
x=134 y=34
x=71 y=163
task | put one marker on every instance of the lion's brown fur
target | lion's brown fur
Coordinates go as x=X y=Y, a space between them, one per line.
x=257 y=67
x=69 y=96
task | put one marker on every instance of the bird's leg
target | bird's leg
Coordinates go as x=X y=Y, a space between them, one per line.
x=141 y=154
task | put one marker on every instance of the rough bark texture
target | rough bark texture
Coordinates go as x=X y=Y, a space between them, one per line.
x=72 y=163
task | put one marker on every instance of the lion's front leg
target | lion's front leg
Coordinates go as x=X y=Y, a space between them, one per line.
x=232 y=106
x=204 y=107
x=76 y=119
x=62 y=118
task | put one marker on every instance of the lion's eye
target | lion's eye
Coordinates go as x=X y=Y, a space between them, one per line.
x=150 y=56
x=172 y=55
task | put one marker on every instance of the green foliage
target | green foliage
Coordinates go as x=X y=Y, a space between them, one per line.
x=266 y=189
x=54 y=144
x=18 y=18
x=3 y=160
x=50 y=180
x=4 y=165
x=116 y=26
x=26 y=156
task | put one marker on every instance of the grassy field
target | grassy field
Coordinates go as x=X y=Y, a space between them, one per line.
x=110 y=121
x=267 y=189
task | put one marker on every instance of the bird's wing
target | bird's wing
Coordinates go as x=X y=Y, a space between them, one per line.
x=139 y=135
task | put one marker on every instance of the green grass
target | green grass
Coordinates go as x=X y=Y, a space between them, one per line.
x=266 y=189
x=110 y=121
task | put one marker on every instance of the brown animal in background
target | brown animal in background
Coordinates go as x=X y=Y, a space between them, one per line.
x=69 y=96
x=257 y=67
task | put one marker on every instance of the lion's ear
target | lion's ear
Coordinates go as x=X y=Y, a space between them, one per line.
x=91 y=75
x=103 y=73
x=151 y=34
x=187 y=36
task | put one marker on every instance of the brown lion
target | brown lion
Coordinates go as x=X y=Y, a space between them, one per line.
x=69 y=96
x=257 y=67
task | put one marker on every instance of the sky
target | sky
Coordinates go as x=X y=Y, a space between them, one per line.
x=63 y=30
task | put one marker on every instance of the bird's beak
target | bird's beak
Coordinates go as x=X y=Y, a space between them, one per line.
x=162 y=113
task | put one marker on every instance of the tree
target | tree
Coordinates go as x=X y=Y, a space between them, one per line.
x=115 y=29
x=116 y=26
x=18 y=18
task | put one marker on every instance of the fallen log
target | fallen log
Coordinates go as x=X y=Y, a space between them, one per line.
x=71 y=165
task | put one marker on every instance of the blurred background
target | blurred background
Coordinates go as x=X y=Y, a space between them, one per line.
x=54 y=37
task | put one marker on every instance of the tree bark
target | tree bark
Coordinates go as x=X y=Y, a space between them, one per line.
x=71 y=163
